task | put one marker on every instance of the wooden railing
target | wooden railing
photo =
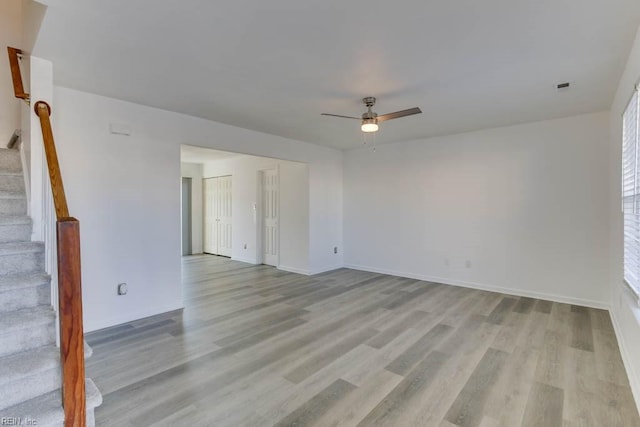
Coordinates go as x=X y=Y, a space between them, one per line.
x=18 y=87
x=69 y=276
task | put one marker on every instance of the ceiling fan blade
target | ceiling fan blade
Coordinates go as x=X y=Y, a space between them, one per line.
x=398 y=114
x=338 y=115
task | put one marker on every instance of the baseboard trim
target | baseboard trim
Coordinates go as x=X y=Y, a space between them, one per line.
x=472 y=285
x=247 y=260
x=634 y=378
x=308 y=272
x=294 y=270
x=115 y=321
x=325 y=269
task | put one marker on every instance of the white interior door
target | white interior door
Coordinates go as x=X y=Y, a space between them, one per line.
x=270 y=214
x=210 y=216
x=217 y=215
x=224 y=215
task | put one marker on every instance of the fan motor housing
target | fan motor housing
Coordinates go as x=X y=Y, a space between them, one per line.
x=369 y=101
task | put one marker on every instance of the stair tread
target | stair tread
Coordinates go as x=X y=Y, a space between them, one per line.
x=14 y=220
x=24 y=280
x=94 y=397
x=4 y=171
x=5 y=194
x=9 y=152
x=26 y=318
x=33 y=361
x=47 y=409
x=27 y=363
x=88 y=351
x=12 y=248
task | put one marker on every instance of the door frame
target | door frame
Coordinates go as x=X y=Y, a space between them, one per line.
x=189 y=217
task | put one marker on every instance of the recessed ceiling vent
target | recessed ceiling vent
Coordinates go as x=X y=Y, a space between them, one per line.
x=561 y=87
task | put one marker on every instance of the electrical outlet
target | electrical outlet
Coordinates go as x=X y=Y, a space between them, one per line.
x=335 y=249
x=122 y=289
x=467 y=264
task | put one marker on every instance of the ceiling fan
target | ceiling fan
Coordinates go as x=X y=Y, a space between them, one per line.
x=370 y=119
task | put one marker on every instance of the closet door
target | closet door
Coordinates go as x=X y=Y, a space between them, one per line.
x=210 y=216
x=217 y=215
x=270 y=214
x=224 y=215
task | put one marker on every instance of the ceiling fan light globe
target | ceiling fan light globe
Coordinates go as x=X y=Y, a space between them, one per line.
x=369 y=125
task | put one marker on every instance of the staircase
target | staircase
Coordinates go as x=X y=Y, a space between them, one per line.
x=30 y=372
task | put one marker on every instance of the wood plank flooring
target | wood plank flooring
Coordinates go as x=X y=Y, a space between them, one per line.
x=256 y=346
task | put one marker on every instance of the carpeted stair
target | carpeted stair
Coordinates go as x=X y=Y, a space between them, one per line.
x=29 y=359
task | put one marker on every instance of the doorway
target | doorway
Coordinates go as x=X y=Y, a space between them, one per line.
x=267 y=216
x=270 y=216
x=217 y=215
x=187 y=248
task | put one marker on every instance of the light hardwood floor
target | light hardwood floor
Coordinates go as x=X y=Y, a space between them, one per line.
x=256 y=346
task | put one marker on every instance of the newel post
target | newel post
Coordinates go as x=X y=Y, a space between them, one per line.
x=71 y=328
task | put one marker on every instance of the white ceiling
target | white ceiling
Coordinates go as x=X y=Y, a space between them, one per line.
x=274 y=66
x=192 y=154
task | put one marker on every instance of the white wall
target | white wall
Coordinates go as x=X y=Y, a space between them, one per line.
x=33 y=13
x=326 y=204
x=295 y=241
x=624 y=308
x=194 y=171
x=41 y=88
x=519 y=209
x=125 y=192
x=294 y=208
x=41 y=75
x=10 y=35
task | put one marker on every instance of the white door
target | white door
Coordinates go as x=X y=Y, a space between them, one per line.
x=270 y=214
x=210 y=223
x=224 y=215
x=217 y=215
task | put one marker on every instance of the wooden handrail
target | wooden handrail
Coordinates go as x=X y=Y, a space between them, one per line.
x=69 y=285
x=43 y=110
x=18 y=88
